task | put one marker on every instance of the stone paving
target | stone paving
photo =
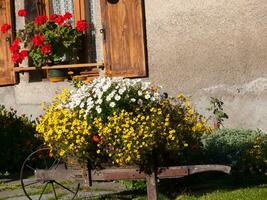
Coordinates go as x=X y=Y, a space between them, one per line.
x=12 y=190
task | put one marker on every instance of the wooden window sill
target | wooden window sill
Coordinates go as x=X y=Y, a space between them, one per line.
x=69 y=66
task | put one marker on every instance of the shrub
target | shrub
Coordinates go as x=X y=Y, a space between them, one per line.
x=124 y=122
x=17 y=139
x=245 y=150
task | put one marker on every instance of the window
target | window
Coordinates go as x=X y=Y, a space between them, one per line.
x=122 y=37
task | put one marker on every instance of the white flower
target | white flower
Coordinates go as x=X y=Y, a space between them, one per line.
x=140 y=101
x=147 y=96
x=99 y=101
x=133 y=100
x=112 y=104
x=82 y=105
x=122 y=90
x=140 y=92
x=108 y=98
x=117 y=97
x=98 y=109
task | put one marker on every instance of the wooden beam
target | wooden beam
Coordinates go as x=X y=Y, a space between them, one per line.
x=71 y=66
x=129 y=173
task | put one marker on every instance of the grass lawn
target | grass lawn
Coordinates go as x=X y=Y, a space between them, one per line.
x=200 y=187
x=252 y=193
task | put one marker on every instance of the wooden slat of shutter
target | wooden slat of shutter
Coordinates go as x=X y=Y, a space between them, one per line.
x=125 y=53
x=79 y=10
x=7 y=75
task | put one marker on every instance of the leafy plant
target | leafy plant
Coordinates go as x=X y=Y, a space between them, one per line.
x=47 y=39
x=17 y=139
x=216 y=106
x=245 y=150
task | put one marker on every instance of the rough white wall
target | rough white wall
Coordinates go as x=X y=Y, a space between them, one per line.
x=209 y=48
x=203 y=48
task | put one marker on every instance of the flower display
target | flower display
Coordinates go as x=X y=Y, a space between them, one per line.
x=67 y=15
x=122 y=121
x=37 y=40
x=81 y=26
x=46 y=39
x=5 y=27
x=40 y=20
x=22 y=12
x=46 y=49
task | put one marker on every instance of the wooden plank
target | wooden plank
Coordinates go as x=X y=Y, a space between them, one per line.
x=129 y=173
x=71 y=66
x=125 y=52
x=151 y=185
x=7 y=75
x=193 y=169
x=134 y=174
x=79 y=10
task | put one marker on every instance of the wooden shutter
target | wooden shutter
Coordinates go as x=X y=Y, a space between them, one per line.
x=79 y=10
x=124 y=40
x=7 y=75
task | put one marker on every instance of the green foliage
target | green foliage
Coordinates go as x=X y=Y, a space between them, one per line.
x=17 y=139
x=245 y=150
x=216 y=106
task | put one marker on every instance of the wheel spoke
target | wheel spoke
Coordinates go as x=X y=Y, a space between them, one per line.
x=26 y=185
x=43 y=191
x=64 y=187
x=30 y=167
x=46 y=167
x=55 y=163
x=54 y=190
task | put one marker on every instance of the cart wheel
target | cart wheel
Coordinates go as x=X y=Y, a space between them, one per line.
x=40 y=160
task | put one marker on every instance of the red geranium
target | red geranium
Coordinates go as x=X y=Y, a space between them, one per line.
x=53 y=17
x=15 y=46
x=5 y=28
x=67 y=15
x=81 y=26
x=60 y=20
x=40 y=20
x=95 y=138
x=24 y=54
x=46 y=49
x=16 y=58
x=38 y=40
x=22 y=12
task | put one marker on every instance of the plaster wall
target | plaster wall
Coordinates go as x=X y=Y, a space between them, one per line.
x=212 y=48
x=202 y=48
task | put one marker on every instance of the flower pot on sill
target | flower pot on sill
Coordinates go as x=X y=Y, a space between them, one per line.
x=56 y=75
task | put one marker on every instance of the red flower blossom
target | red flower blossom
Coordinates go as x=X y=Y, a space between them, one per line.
x=60 y=20
x=38 y=40
x=15 y=46
x=95 y=138
x=53 y=17
x=16 y=58
x=16 y=41
x=22 y=12
x=5 y=28
x=67 y=15
x=40 y=20
x=23 y=54
x=81 y=26
x=46 y=49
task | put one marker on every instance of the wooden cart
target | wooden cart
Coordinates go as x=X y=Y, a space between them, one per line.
x=48 y=171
